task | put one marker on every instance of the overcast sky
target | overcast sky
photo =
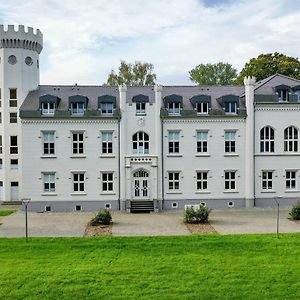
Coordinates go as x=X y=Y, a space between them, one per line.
x=85 y=39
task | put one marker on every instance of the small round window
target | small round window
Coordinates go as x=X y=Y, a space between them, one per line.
x=12 y=59
x=28 y=61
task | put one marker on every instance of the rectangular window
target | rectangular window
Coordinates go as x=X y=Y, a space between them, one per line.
x=1 y=164
x=173 y=180
x=14 y=164
x=13 y=117
x=290 y=180
x=107 y=108
x=13 y=144
x=49 y=182
x=140 y=108
x=1 y=144
x=202 y=180
x=78 y=182
x=48 y=108
x=107 y=142
x=77 y=108
x=267 y=180
x=173 y=141
x=202 y=108
x=202 y=137
x=77 y=142
x=48 y=143
x=174 y=108
x=230 y=180
x=107 y=182
x=230 y=107
x=14 y=191
x=0 y=117
x=12 y=94
x=229 y=141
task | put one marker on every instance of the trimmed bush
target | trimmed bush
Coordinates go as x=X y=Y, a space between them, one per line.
x=295 y=212
x=196 y=216
x=103 y=217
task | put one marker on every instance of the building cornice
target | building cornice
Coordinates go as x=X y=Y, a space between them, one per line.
x=78 y=121
x=205 y=120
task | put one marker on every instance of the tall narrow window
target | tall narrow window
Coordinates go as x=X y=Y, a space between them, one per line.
x=77 y=108
x=202 y=108
x=0 y=117
x=173 y=180
x=78 y=182
x=140 y=143
x=48 y=143
x=173 y=141
x=173 y=108
x=13 y=117
x=229 y=141
x=13 y=98
x=49 y=182
x=283 y=95
x=267 y=180
x=202 y=137
x=202 y=180
x=290 y=180
x=267 y=139
x=14 y=164
x=1 y=150
x=1 y=163
x=291 y=139
x=107 y=181
x=107 y=142
x=230 y=183
x=140 y=108
x=13 y=144
x=48 y=108
x=77 y=142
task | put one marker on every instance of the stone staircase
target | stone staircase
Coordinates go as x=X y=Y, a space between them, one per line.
x=141 y=206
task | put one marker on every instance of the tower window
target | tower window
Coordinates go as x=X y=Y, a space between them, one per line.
x=140 y=108
x=13 y=118
x=140 y=143
x=13 y=144
x=12 y=94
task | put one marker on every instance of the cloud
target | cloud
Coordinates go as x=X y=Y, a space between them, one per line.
x=85 y=40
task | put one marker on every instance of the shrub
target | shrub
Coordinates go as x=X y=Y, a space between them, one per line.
x=103 y=217
x=295 y=212
x=196 y=216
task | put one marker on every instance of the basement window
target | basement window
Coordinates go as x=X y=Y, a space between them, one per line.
x=107 y=205
x=174 y=205
x=78 y=208
x=47 y=208
x=203 y=203
x=230 y=204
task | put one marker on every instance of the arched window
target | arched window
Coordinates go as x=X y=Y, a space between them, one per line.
x=267 y=139
x=140 y=143
x=291 y=139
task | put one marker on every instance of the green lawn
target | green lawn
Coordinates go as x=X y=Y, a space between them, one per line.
x=191 y=267
x=4 y=213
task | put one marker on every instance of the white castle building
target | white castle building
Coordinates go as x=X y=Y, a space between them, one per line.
x=143 y=148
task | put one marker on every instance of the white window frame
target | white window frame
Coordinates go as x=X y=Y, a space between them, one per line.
x=267 y=180
x=174 y=180
x=230 y=141
x=107 y=142
x=283 y=95
x=230 y=180
x=202 y=141
x=49 y=185
x=79 y=182
x=13 y=149
x=1 y=144
x=48 y=108
x=78 y=144
x=202 y=108
x=291 y=179
x=142 y=144
x=267 y=139
x=202 y=180
x=174 y=141
x=140 y=108
x=291 y=137
x=173 y=108
x=49 y=142
x=107 y=183
x=77 y=108
x=232 y=108
x=107 y=108
x=13 y=117
x=14 y=166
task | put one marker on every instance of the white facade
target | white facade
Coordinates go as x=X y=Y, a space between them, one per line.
x=152 y=148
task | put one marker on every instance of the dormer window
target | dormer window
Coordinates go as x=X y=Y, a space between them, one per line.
x=48 y=108
x=107 y=108
x=173 y=108
x=140 y=104
x=173 y=104
x=230 y=107
x=106 y=104
x=77 y=108
x=201 y=104
x=283 y=92
x=202 y=108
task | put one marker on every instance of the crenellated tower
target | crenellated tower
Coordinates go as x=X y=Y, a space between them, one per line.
x=19 y=74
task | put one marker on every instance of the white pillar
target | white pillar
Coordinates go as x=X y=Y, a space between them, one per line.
x=249 y=143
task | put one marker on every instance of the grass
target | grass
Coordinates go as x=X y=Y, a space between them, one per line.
x=189 y=267
x=4 y=213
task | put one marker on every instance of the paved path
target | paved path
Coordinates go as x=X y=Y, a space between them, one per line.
x=254 y=220
x=148 y=224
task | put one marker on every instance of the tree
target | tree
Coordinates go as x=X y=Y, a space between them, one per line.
x=269 y=64
x=213 y=74
x=137 y=74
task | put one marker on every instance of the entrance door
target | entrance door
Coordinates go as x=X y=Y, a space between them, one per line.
x=141 y=184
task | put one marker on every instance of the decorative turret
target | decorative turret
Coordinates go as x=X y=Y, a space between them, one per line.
x=21 y=39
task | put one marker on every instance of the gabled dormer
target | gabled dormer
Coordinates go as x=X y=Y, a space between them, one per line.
x=140 y=104
x=48 y=104
x=78 y=104
x=107 y=104
x=201 y=104
x=230 y=104
x=173 y=104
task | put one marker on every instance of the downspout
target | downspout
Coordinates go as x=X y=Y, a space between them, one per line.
x=162 y=165
x=119 y=163
x=254 y=158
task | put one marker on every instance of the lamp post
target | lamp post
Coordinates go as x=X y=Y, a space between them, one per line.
x=26 y=201
x=276 y=199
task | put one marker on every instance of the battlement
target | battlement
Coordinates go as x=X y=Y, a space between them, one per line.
x=20 y=38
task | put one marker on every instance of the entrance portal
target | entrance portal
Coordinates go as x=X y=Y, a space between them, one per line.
x=141 y=184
